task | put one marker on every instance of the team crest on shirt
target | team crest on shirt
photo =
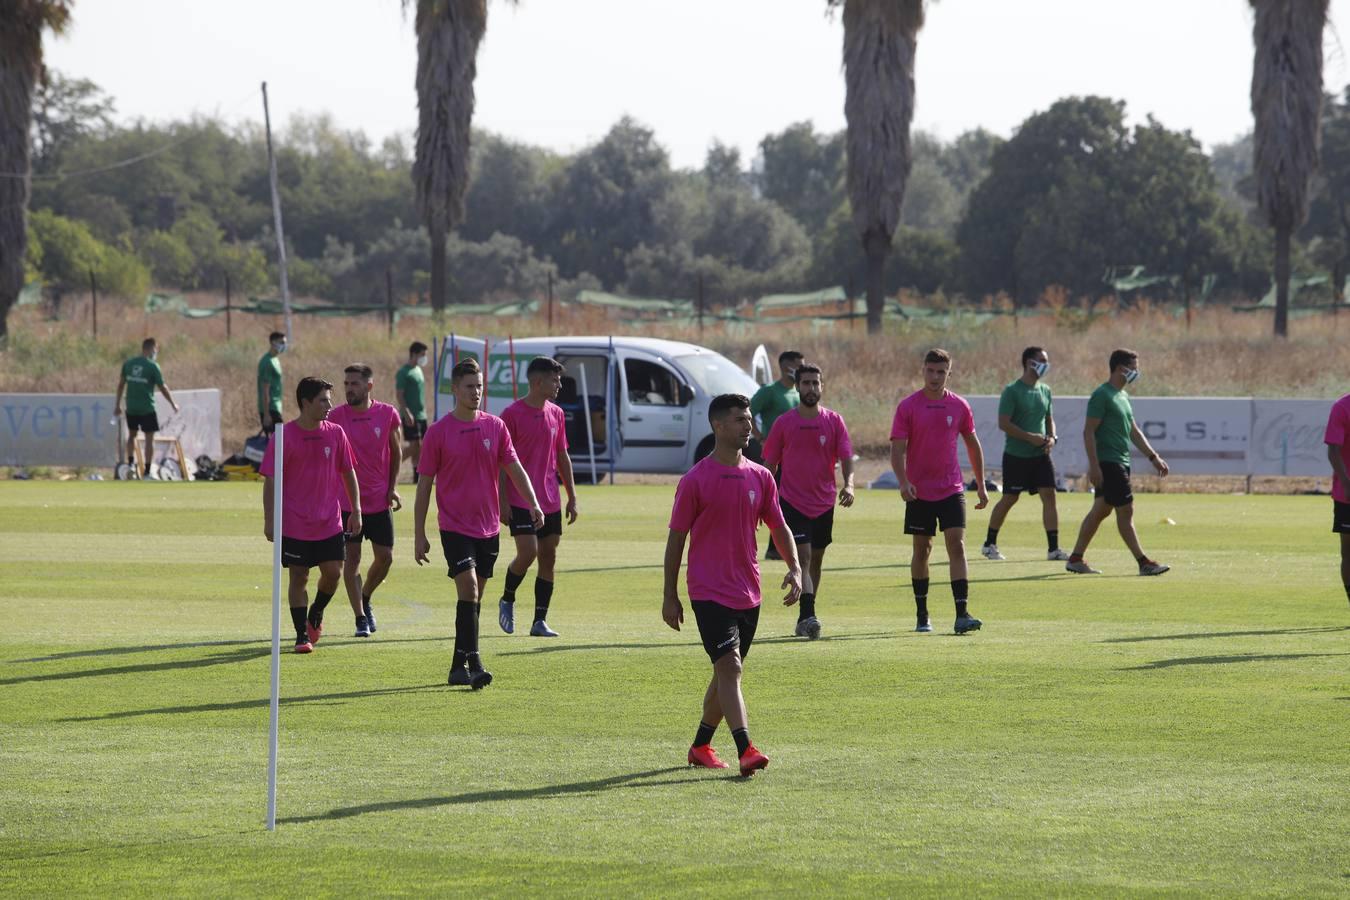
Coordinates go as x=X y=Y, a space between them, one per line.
x=752 y=496
x=487 y=443
x=377 y=431
x=822 y=440
x=949 y=421
x=327 y=452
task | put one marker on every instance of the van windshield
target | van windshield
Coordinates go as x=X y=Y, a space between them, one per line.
x=715 y=374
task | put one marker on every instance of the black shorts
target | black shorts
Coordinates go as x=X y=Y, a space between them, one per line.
x=147 y=422
x=416 y=431
x=378 y=528
x=724 y=629
x=522 y=524
x=926 y=516
x=818 y=532
x=1116 y=490
x=1340 y=517
x=463 y=553
x=269 y=420
x=308 y=554
x=1027 y=473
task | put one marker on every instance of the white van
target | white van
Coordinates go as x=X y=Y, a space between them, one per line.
x=647 y=398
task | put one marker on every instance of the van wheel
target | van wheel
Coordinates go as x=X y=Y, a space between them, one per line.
x=704 y=448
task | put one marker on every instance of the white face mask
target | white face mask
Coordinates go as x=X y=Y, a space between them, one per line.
x=279 y=346
x=1131 y=375
x=1040 y=368
x=153 y=355
x=422 y=360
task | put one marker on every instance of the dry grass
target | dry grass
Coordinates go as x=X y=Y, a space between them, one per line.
x=1223 y=353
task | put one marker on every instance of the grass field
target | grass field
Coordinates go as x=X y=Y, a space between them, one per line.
x=1183 y=735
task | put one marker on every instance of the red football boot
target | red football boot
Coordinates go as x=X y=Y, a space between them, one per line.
x=304 y=647
x=752 y=760
x=314 y=632
x=705 y=757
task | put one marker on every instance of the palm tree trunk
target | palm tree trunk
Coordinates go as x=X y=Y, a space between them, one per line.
x=1282 y=282
x=877 y=248
x=16 y=113
x=438 y=288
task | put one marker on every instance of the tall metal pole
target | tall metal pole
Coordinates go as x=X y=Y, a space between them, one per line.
x=550 y=301
x=229 y=332
x=93 y=300
x=389 y=298
x=700 y=307
x=274 y=714
x=276 y=216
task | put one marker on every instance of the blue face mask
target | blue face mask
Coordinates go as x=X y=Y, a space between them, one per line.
x=279 y=346
x=1040 y=368
x=1131 y=375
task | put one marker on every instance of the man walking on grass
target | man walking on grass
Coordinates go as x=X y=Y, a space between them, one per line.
x=269 y=383
x=806 y=442
x=538 y=430
x=1107 y=434
x=317 y=467
x=1337 y=439
x=923 y=455
x=372 y=428
x=770 y=402
x=719 y=504
x=461 y=459
x=140 y=376
x=1024 y=415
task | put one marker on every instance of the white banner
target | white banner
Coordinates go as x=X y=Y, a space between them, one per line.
x=80 y=430
x=1196 y=435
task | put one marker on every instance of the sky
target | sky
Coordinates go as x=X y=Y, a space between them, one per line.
x=560 y=73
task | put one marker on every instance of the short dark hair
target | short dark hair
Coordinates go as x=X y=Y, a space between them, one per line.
x=789 y=355
x=1030 y=353
x=725 y=403
x=310 y=387
x=416 y=347
x=277 y=336
x=467 y=366
x=805 y=369
x=361 y=369
x=148 y=344
x=543 y=364
x=1122 y=357
x=937 y=355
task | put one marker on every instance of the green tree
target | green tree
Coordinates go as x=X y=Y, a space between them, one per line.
x=1329 y=215
x=64 y=111
x=1287 y=106
x=803 y=172
x=22 y=23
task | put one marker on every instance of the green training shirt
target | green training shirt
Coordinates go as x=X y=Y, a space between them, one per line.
x=143 y=376
x=1112 y=406
x=269 y=383
x=411 y=385
x=1026 y=405
x=770 y=402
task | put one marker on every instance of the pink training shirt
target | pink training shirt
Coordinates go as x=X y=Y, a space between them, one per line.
x=931 y=427
x=312 y=480
x=1338 y=432
x=720 y=506
x=540 y=439
x=368 y=432
x=807 y=448
x=464 y=458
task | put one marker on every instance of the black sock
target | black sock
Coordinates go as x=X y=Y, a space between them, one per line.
x=321 y=599
x=365 y=600
x=458 y=661
x=298 y=620
x=131 y=460
x=1141 y=559
x=1347 y=592
x=807 y=607
x=960 y=589
x=512 y=582
x=147 y=468
x=1052 y=538
x=921 y=596
x=543 y=595
x=992 y=536
x=742 y=737
x=466 y=627
x=474 y=662
x=1075 y=557
x=703 y=736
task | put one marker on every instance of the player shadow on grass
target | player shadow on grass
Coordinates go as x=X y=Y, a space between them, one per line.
x=1222 y=660
x=118 y=651
x=1320 y=629
x=259 y=703
x=667 y=645
x=630 y=780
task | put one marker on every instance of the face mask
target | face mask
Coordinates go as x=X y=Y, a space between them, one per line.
x=1131 y=375
x=422 y=360
x=1040 y=368
x=279 y=346
x=154 y=354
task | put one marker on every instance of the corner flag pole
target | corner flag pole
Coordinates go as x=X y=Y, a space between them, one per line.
x=276 y=215
x=277 y=475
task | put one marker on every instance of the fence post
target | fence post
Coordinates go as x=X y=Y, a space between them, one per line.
x=550 y=301
x=850 y=302
x=700 y=307
x=389 y=297
x=229 y=330
x=93 y=299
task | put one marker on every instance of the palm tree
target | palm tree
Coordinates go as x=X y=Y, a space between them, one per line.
x=448 y=35
x=880 y=38
x=1287 y=106
x=21 y=25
